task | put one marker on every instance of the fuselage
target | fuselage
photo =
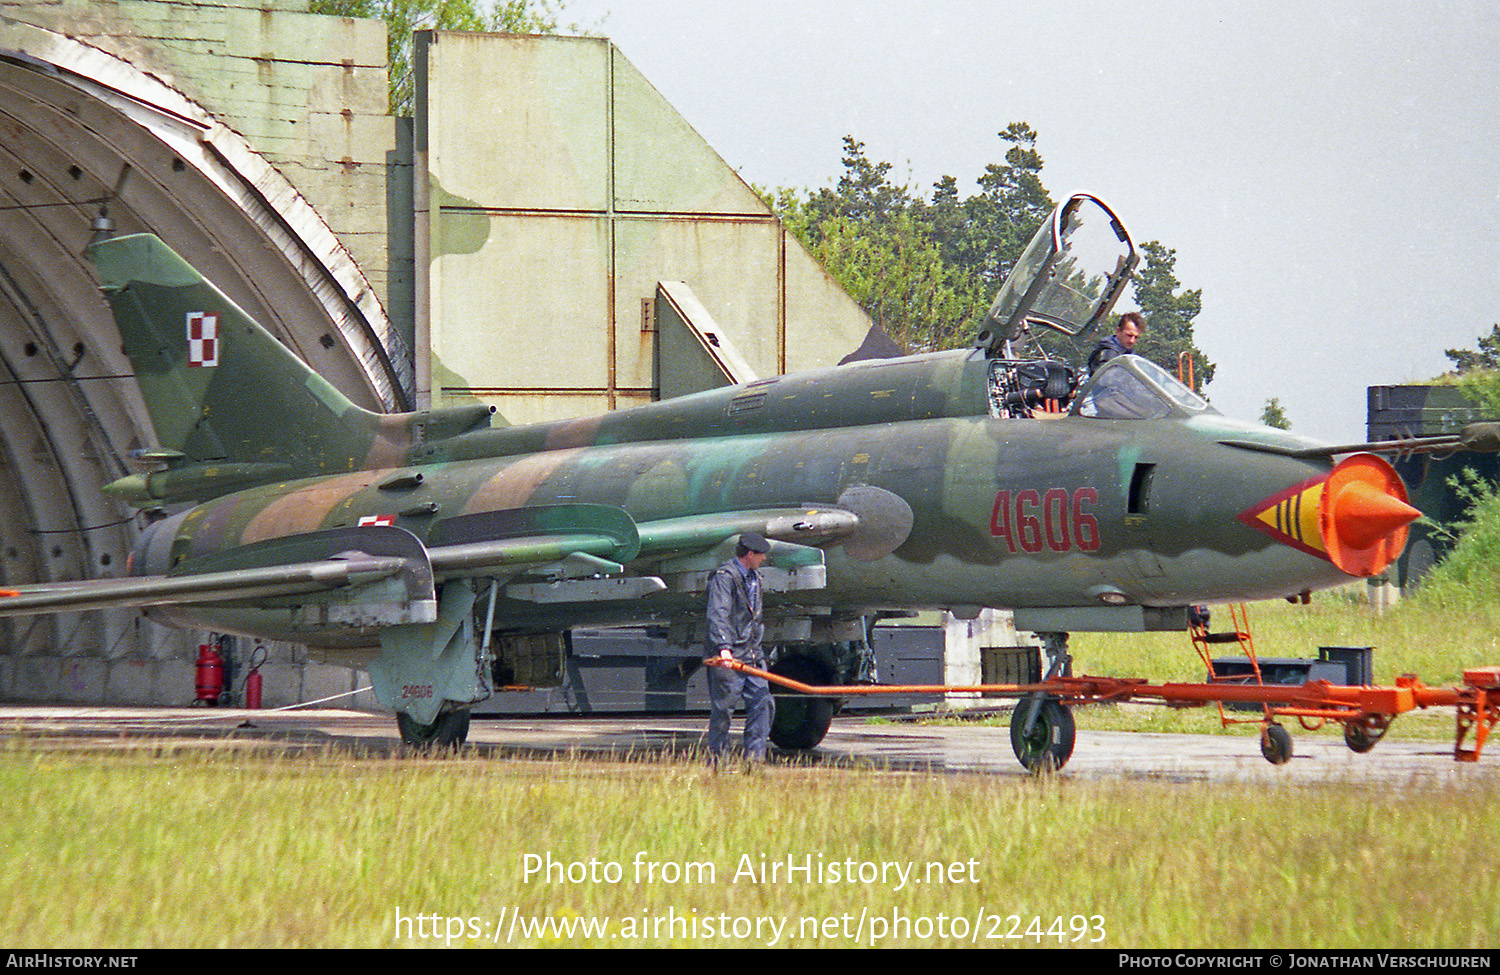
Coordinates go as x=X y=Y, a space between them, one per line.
x=1072 y=511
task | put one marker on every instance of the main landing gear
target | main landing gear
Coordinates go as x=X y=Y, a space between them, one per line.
x=802 y=720
x=449 y=730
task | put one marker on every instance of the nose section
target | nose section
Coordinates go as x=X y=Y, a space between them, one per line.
x=1355 y=516
x=1363 y=515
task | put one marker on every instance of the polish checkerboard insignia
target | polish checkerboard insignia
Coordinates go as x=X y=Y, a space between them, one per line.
x=202 y=339
x=386 y=520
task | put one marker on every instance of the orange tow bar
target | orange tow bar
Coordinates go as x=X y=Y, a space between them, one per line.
x=1365 y=711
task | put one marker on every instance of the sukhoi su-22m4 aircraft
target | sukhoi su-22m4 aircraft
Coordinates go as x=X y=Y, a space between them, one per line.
x=435 y=551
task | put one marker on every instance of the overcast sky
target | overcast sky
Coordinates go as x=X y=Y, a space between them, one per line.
x=1327 y=171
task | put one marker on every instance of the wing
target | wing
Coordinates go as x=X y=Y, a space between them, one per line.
x=210 y=587
x=549 y=553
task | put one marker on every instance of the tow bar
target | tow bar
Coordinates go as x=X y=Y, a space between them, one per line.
x=1366 y=712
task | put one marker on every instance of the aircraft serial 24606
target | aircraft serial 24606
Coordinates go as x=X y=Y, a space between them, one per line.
x=429 y=548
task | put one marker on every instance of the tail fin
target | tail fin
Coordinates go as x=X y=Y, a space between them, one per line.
x=220 y=389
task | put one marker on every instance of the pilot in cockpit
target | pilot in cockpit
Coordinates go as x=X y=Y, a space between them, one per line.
x=1127 y=331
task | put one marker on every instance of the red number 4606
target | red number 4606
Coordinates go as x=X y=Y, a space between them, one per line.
x=1031 y=521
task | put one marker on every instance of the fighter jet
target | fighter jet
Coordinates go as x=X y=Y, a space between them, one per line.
x=444 y=555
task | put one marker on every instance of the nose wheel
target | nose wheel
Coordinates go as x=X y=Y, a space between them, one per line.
x=1042 y=734
x=1042 y=731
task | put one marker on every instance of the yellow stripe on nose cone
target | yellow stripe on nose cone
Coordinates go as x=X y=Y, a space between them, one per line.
x=1294 y=518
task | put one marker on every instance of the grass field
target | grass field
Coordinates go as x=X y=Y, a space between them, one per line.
x=215 y=847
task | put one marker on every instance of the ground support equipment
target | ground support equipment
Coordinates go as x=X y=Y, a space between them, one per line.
x=1365 y=711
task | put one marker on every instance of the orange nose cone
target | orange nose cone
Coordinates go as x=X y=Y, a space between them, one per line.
x=1363 y=515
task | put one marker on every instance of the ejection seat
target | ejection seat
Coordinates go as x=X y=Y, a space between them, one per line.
x=1023 y=387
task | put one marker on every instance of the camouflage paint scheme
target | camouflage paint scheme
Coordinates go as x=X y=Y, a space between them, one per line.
x=390 y=541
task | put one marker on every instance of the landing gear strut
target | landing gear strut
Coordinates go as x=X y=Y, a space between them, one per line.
x=1042 y=731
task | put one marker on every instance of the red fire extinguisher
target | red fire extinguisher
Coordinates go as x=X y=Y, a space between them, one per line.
x=253 y=679
x=210 y=675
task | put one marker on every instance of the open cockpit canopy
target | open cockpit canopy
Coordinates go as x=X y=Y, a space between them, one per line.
x=1067 y=279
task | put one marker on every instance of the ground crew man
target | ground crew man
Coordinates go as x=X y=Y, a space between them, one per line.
x=735 y=631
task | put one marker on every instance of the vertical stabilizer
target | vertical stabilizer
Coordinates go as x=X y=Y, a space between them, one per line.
x=219 y=387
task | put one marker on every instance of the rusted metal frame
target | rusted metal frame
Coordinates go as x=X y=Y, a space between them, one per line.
x=781 y=300
x=611 y=353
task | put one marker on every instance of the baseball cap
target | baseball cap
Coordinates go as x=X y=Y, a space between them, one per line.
x=755 y=542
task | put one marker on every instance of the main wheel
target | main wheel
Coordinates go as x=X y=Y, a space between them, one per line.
x=1276 y=744
x=450 y=730
x=802 y=720
x=1050 y=741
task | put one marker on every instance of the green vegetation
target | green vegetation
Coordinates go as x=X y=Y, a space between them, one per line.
x=1468 y=578
x=1274 y=415
x=927 y=269
x=216 y=847
x=404 y=17
x=1484 y=357
x=1476 y=372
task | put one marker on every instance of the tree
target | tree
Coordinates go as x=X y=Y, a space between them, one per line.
x=405 y=17
x=881 y=253
x=878 y=242
x=1005 y=214
x=1274 y=416
x=864 y=193
x=1488 y=356
x=1168 y=312
x=1478 y=372
x=927 y=270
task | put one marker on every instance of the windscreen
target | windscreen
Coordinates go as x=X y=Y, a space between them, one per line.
x=1132 y=388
